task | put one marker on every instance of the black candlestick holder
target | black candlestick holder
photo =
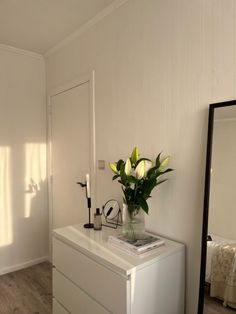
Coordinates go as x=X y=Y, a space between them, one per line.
x=88 y=225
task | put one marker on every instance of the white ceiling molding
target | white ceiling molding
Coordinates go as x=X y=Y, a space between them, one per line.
x=98 y=17
x=21 y=51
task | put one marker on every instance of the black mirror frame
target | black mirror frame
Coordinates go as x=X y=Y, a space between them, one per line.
x=212 y=108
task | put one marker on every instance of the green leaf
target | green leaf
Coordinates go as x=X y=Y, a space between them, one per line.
x=131 y=179
x=160 y=182
x=134 y=155
x=149 y=186
x=151 y=171
x=168 y=170
x=121 y=182
x=148 y=183
x=125 y=198
x=115 y=177
x=119 y=163
x=142 y=202
x=158 y=161
x=160 y=173
x=122 y=172
x=129 y=194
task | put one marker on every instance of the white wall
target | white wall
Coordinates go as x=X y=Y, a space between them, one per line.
x=158 y=63
x=222 y=211
x=23 y=196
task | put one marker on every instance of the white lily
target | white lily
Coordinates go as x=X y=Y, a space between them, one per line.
x=128 y=167
x=140 y=170
x=164 y=164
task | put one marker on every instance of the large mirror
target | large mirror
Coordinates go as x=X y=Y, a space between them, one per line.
x=218 y=263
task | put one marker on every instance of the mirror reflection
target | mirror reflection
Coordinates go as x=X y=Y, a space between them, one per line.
x=220 y=276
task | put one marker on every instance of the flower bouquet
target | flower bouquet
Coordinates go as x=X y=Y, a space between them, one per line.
x=138 y=177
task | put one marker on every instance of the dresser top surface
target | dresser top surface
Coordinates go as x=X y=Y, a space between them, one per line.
x=95 y=245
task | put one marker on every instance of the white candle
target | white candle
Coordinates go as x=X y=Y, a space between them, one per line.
x=88 y=186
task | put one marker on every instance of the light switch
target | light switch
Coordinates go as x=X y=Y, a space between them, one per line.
x=101 y=164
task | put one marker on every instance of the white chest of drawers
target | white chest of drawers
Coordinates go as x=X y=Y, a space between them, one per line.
x=92 y=277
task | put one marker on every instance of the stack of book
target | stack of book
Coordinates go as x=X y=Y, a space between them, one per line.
x=135 y=247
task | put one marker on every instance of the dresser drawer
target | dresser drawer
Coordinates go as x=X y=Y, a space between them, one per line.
x=73 y=298
x=57 y=308
x=105 y=286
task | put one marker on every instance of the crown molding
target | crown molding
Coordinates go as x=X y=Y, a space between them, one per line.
x=19 y=51
x=96 y=19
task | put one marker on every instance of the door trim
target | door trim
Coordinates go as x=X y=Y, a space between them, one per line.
x=90 y=79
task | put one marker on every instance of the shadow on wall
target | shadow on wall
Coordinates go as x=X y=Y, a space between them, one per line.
x=23 y=207
x=35 y=176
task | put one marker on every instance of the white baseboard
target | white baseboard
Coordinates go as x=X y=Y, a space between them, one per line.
x=10 y=269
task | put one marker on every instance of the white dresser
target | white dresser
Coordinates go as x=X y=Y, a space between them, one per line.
x=92 y=277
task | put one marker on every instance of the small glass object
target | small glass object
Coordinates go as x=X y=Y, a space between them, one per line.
x=97 y=220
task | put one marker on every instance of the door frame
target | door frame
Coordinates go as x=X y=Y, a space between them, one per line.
x=90 y=79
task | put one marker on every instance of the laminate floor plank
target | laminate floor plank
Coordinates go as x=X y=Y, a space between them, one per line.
x=28 y=291
x=215 y=306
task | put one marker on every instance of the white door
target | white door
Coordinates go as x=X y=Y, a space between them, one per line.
x=70 y=154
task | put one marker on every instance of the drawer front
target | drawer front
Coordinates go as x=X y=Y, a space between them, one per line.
x=105 y=286
x=73 y=298
x=58 y=309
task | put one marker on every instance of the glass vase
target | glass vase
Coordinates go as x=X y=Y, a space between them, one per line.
x=133 y=222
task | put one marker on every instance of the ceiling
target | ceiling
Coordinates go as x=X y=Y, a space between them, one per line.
x=38 y=25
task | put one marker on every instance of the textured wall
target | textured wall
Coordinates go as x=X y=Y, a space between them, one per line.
x=158 y=65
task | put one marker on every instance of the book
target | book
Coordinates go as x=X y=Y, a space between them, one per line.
x=131 y=252
x=137 y=246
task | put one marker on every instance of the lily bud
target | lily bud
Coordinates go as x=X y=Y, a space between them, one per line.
x=164 y=163
x=140 y=170
x=128 y=167
x=134 y=155
x=113 y=167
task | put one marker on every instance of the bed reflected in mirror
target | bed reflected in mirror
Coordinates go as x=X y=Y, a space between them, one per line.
x=218 y=273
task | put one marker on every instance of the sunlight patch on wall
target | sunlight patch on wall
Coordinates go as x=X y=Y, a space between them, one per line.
x=35 y=173
x=6 y=236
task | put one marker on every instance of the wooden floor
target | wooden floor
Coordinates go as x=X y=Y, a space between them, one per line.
x=215 y=306
x=28 y=291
